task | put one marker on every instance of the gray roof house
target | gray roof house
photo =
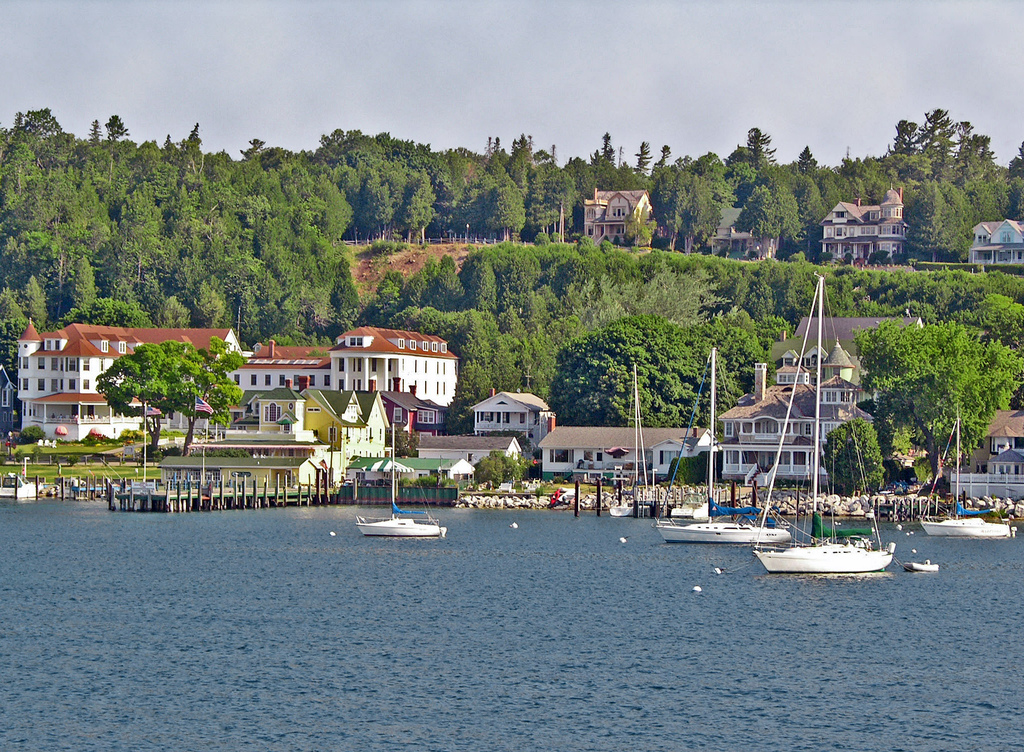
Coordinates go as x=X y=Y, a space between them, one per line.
x=591 y=451
x=469 y=448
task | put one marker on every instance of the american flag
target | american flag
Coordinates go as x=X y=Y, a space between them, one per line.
x=202 y=406
x=153 y=411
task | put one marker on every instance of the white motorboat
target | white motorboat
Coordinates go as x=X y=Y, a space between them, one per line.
x=829 y=551
x=967 y=527
x=13 y=486
x=621 y=510
x=916 y=566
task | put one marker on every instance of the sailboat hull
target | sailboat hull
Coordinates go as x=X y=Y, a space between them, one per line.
x=399 y=527
x=828 y=558
x=623 y=511
x=967 y=528
x=720 y=532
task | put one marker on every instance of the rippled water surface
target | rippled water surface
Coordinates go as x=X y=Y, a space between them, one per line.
x=259 y=630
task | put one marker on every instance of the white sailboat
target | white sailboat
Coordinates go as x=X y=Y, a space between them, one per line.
x=829 y=551
x=401 y=523
x=965 y=523
x=639 y=455
x=719 y=531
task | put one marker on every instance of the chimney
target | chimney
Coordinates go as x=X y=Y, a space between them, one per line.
x=411 y=423
x=493 y=391
x=288 y=383
x=900 y=191
x=271 y=344
x=551 y=423
x=760 y=381
x=396 y=384
x=373 y=385
x=412 y=389
x=858 y=200
x=595 y=193
x=784 y=335
x=303 y=383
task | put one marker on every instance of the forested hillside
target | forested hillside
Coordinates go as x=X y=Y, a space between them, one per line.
x=107 y=230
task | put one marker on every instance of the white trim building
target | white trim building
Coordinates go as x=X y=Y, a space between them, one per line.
x=861 y=231
x=374 y=359
x=522 y=412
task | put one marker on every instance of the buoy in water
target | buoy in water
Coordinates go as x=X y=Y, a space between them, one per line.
x=514 y=526
x=623 y=539
x=333 y=533
x=717 y=570
x=697 y=589
x=899 y=527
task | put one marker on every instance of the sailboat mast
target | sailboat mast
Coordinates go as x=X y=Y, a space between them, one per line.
x=816 y=453
x=958 y=455
x=711 y=449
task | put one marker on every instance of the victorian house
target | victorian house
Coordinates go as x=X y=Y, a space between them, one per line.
x=860 y=231
x=753 y=427
x=605 y=216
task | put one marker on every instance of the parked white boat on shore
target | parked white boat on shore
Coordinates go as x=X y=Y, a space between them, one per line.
x=16 y=487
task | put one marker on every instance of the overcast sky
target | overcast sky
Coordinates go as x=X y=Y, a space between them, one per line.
x=694 y=75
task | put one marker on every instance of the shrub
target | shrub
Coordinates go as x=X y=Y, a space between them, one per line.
x=31 y=435
x=541 y=239
x=386 y=247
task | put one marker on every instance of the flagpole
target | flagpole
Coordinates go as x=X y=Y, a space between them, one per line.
x=143 y=442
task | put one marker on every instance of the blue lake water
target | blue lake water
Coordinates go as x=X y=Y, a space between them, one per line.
x=258 y=630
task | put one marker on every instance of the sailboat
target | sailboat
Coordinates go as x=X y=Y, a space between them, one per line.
x=829 y=551
x=966 y=523
x=401 y=523
x=719 y=531
x=639 y=454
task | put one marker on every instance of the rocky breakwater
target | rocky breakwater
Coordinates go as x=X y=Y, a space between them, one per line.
x=789 y=503
x=521 y=501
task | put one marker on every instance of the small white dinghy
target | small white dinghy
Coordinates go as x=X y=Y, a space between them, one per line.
x=916 y=566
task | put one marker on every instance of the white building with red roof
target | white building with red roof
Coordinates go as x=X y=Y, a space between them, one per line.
x=394 y=360
x=57 y=374
x=271 y=366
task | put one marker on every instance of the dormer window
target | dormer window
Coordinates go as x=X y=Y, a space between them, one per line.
x=355 y=341
x=444 y=347
x=104 y=346
x=426 y=345
x=401 y=344
x=433 y=347
x=122 y=347
x=412 y=344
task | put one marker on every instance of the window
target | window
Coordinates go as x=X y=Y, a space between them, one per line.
x=54 y=364
x=72 y=383
x=425 y=416
x=412 y=344
x=42 y=385
x=396 y=416
x=266 y=380
x=312 y=380
x=433 y=347
x=24 y=384
x=332 y=434
x=42 y=364
x=104 y=346
x=341 y=365
x=280 y=380
x=355 y=341
x=86 y=364
x=401 y=344
x=728 y=429
x=122 y=347
x=86 y=384
x=327 y=379
x=444 y=347
x=559 y=455
x=5 y=399
x=54 y=385
x=272 y=413
x=426 y=346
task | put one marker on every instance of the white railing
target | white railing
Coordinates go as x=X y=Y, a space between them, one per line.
x=988 y=484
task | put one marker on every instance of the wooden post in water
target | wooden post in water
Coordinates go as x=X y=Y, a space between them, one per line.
x=599 y=496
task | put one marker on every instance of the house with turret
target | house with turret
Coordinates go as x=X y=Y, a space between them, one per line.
x=860 y=231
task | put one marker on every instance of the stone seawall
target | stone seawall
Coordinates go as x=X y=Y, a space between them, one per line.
x=786 y=502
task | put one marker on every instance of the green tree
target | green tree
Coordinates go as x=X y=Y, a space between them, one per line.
x=33 y=303
x=643 y=158
x=852 y=457
x=109 y=312
x=926 y=376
